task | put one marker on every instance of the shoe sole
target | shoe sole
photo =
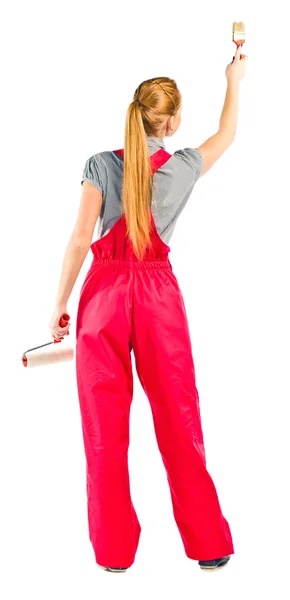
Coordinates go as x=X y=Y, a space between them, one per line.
x=221 y=564
x=111 y=570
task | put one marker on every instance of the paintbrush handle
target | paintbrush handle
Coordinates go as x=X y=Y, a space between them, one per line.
x=238 y=44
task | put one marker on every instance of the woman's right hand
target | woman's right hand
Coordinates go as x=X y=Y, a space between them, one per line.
x=235 y=71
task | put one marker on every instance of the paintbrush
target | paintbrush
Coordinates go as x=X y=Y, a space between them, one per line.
x=239 y=34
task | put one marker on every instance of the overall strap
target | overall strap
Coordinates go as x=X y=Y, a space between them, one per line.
x=158 y=159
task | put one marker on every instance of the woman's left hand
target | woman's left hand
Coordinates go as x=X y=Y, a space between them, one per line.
x=56 y=330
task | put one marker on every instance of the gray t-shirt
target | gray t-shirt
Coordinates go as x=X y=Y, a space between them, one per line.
x=172 y=185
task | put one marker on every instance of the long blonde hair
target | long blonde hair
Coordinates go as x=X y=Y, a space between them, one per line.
x=154 y=100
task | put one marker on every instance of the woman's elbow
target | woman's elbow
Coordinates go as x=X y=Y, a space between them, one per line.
x=228 y=136
x=80 y=241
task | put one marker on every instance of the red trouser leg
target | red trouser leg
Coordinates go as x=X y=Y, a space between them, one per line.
x=105 y=387
x=164 y=363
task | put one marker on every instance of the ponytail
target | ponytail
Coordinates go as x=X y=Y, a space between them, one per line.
x=138 y=181
x=154 y=101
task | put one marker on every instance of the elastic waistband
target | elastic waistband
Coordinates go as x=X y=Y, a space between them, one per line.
x=134 y=264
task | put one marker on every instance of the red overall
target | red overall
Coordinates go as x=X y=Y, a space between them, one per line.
x=130 y=304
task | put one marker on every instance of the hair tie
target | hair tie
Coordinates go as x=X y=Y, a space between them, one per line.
x=137 y=101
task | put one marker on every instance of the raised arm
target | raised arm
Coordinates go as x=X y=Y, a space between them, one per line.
x=216 y=145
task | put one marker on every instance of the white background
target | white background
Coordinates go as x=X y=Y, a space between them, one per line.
x=69 y=72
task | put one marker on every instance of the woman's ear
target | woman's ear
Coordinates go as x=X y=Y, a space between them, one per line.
x=170 y=124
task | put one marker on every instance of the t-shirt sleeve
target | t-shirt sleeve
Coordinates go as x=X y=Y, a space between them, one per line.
x=91 y=173
x=194 y=160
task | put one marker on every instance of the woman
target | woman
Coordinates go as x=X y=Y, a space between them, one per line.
x=130 y=299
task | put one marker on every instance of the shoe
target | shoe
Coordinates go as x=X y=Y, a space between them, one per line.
x=213 y=564
x=114 y=569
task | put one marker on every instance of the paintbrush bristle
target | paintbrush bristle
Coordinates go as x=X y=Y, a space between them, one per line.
x=239 y=33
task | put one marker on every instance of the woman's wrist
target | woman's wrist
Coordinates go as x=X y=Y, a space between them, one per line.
x=233 y=84
x=60 y=305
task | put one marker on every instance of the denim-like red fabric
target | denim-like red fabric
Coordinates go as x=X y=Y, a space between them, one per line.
x=124 y=305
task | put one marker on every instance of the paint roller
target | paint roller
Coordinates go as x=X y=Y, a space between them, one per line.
x=41 y=355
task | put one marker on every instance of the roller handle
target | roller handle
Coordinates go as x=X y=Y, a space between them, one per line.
x=64 y=319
